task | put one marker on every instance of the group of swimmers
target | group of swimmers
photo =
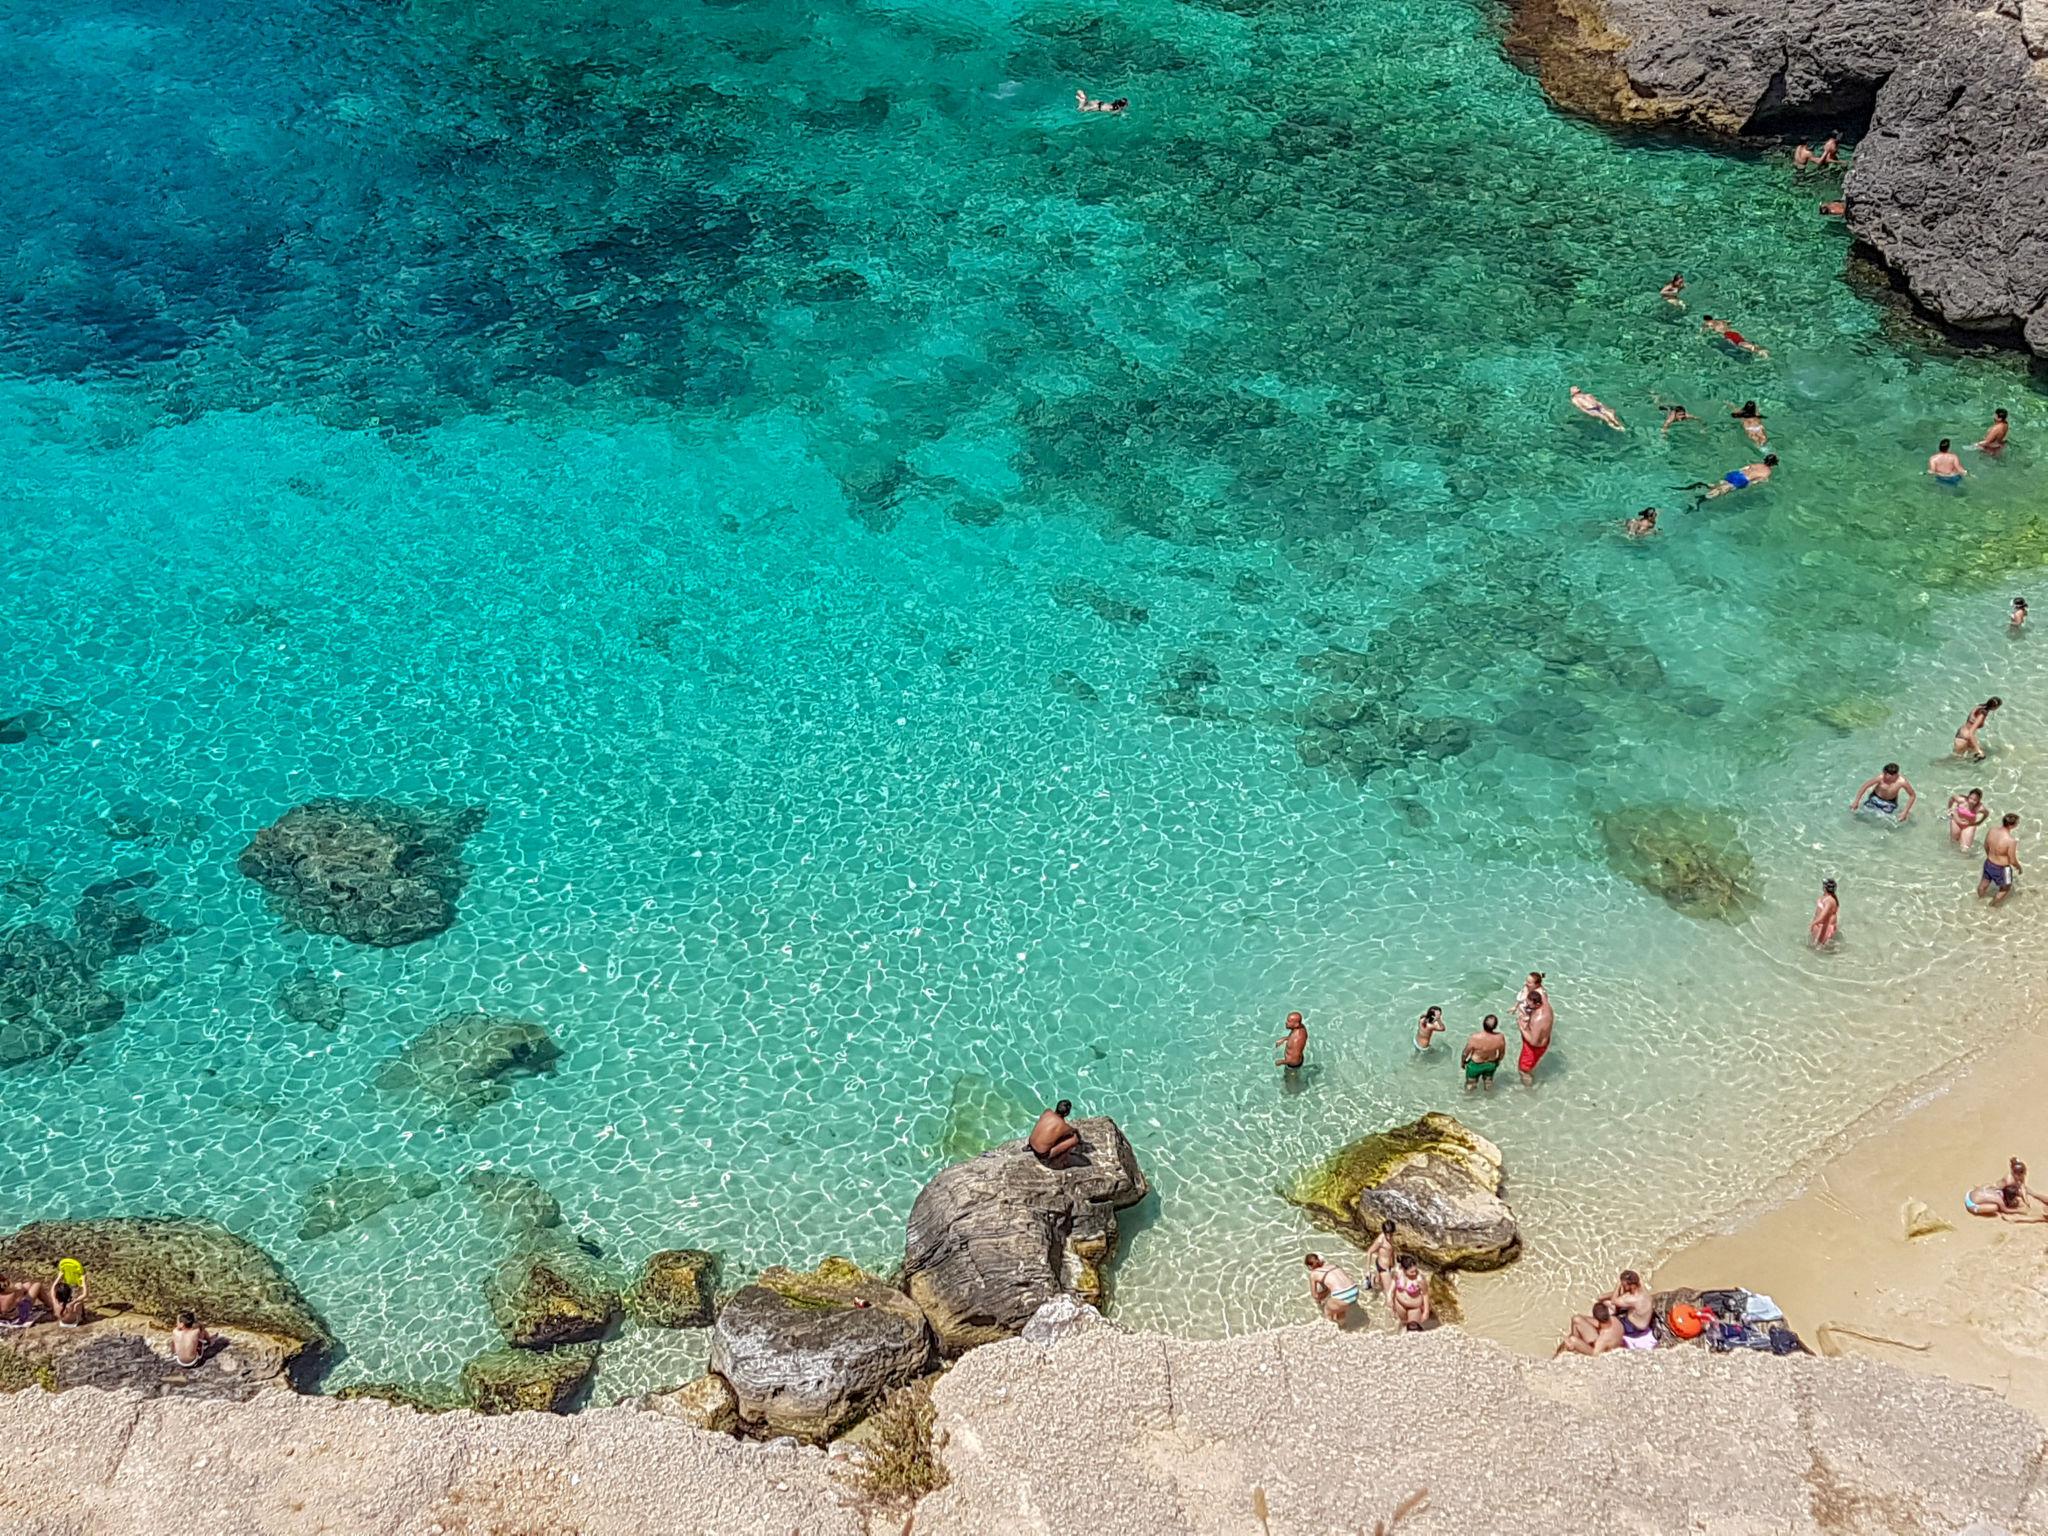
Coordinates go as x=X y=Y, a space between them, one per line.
x=1484 y=1050
x=1889 y=794
x=1396 y=1276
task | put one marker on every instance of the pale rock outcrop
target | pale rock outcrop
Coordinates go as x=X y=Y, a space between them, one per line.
x=1436 y=1180
x=810 y=1354
x=707 y=1403
x=993 y=1239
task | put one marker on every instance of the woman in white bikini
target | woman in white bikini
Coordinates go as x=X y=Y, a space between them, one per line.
x=189 y=1341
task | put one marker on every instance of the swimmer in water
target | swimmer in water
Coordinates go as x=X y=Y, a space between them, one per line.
x=1673 y=414
x=1966 y=813
x=1752 y=422
x=1293 y=1045
x=1830 y=152
x=1673 y=289
x=2018 y=620
x=1086 y=103
x=2001 y=858
x=1967 y=744
x=1835 y=210
x=1827 y=916
x=1428 y=1027
x=1994 y=440
x=1802 y=155
x=1733 y=337
x=1588 y=405
x=1643 y=523
x=1735 y=479
x=1945 y=466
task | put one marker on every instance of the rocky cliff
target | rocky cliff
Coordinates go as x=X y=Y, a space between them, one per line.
x=1949 y=183
x=1304 y=1430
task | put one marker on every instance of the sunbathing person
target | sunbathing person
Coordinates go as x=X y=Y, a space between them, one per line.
x=1593 y=1335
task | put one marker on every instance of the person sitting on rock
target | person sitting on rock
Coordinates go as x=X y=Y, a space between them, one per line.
x=1410 y=1296
x=17 y=1302
x=1635 y=1309
x=1593 y=1335
x=67 y=1304
x=1052 y=1139
x=1331 y=1288
x=190 y=1343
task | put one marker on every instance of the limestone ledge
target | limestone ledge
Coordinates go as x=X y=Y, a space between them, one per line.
x=1302 y=1430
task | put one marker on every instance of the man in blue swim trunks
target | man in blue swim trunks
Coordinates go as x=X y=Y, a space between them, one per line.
x=1737 y=479
x=1882 y=794
x=1945 y=466
x=2001 y=860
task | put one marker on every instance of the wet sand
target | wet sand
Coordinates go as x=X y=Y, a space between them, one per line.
x=1967 y=1299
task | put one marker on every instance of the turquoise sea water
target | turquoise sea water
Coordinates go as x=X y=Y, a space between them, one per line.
x=888 y=551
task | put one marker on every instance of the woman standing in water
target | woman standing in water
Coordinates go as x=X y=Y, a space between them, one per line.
x=1827 y=913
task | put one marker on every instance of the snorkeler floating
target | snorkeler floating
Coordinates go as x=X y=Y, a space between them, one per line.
x=1735 y=480
x=1086 y=103
x=1589 y=405
x=1733 y=337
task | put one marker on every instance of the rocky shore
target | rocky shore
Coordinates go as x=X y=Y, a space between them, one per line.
x=1105 y=1432
x=1949 y=182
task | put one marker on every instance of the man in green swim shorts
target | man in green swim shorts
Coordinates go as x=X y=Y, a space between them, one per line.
x=1484 y=1053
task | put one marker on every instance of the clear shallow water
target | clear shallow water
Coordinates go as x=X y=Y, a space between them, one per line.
x=722 y=440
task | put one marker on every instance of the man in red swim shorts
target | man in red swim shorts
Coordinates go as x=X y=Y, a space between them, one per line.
x=1535 y=1020
x=1733 y=337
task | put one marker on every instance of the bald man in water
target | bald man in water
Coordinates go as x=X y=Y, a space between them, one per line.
x=1294 y=1044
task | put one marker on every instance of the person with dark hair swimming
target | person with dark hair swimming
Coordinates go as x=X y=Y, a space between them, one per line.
x=1086 y=103
x=1752 y=423
x=1735 y=480
x=1644 y=522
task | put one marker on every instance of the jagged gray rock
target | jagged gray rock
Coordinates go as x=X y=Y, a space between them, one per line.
x=810 y=1354
x=993 y=1239
x=1950 y=183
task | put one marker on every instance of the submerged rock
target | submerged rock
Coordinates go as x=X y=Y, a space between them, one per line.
x=1948 y=89
x=993 y=1239
x=159 y=1266
x=51 y=994
x=516 y=1204
x=982 y=1114
x=513 y=1380
x=369 y=871
x=307 y=997
x=1105 y=605
x=677 y=1288
x=1692 y=858
x=551 y=1293
x=350 y=1195
x=458 y=1066
x=810 y=1354
x=1436 y=1180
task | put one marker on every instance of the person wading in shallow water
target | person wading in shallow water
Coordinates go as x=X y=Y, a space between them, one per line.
x=2001 y=859
x=1052 y=1139
x=1827 y=913
x=1882 y=794
x=1293 y=1045
x=1535 y=1020
x=1483 y=1054
x=1331 y=1288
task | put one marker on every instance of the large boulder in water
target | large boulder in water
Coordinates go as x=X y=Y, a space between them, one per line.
x=157 y=1267
x=124 y=1352
x=1436 y=1180
x=811 y=1354
x=991 y=1240
x=677 y=1288
x=551 y=1293
x=369 y=871
x=455 y=1068
x=1692 y=858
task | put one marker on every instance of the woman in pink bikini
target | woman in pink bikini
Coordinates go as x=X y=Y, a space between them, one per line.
x=1827 y=915
x=1966 y=813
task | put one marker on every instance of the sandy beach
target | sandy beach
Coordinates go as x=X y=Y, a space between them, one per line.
x=1967 y=1298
